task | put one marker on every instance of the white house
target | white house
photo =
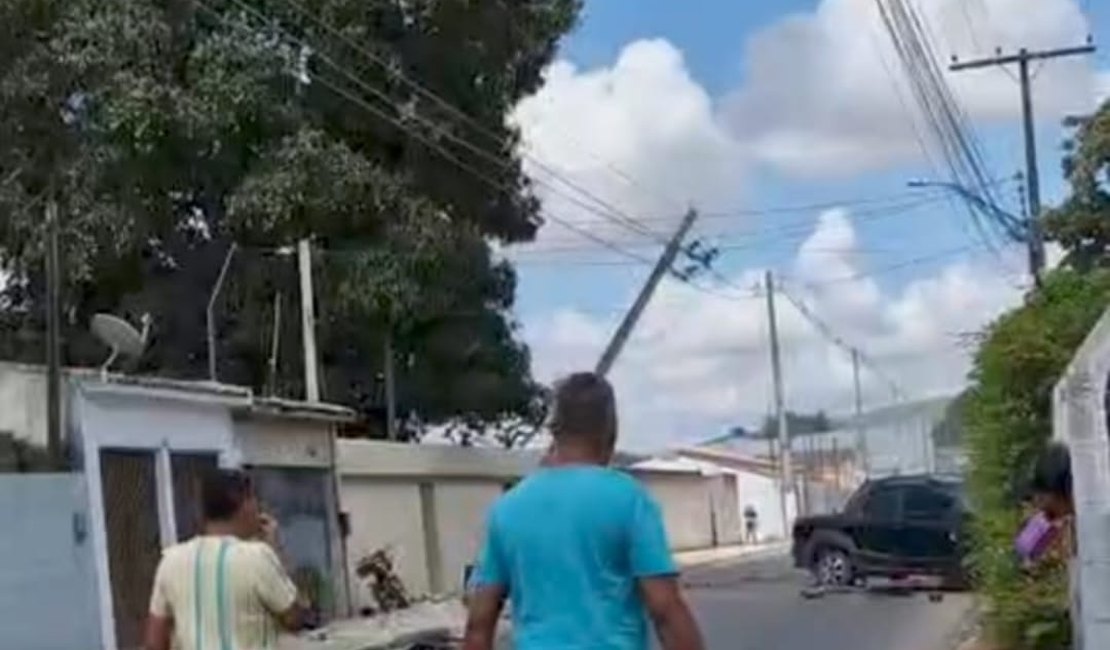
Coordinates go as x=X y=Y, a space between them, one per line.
x=137 y=447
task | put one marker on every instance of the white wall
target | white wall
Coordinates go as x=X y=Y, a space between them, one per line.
x=367 y=457
x=762 y=492
x=283 y=442
x=23 y=402
x=129 y=417
x=461 y=507
x=385 y=513
x=47 y=577
x=427 y=503
x=727 y=510
x=685 y=500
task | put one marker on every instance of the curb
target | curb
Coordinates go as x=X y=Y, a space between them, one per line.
x=967 y=635
x=741 y=556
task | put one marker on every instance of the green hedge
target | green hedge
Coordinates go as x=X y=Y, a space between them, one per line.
x=1008 y=420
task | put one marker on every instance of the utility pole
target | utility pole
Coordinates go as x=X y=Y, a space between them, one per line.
x=390 y=387
x=620 y=337
x=275 y=348
x=786 y=469
x=1023 y=58
x=53 y=339
x=308 y=321
x=210 y=312
x=861 y=432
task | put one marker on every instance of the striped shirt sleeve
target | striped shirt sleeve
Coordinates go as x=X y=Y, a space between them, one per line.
x=272 y=584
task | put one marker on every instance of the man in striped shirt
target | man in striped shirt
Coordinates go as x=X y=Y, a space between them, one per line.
x=224 y=589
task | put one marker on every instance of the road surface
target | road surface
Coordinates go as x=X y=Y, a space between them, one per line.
x=756 y=605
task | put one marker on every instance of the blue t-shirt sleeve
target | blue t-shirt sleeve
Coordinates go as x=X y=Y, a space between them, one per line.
x=492 y=569
x=650 y=552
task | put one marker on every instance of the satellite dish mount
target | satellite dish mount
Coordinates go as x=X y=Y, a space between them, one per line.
x=121 y=337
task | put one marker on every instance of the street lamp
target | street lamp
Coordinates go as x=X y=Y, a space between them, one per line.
x=1017 y=228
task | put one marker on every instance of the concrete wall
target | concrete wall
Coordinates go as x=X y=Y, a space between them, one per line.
x=23 y=402
x=47 y=577
x=426 y=503
x=762 y=493
x=686 y=502
x=283 y=442
x=385 y=512
x=728 y=521
x=460 y=516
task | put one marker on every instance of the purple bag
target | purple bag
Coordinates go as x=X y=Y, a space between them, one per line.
x=1035 y=537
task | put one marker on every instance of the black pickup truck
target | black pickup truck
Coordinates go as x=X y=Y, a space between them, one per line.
x=892 y=527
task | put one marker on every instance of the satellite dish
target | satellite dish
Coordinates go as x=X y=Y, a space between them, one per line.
x=120 y=336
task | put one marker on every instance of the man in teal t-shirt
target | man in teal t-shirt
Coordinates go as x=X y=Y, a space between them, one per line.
x=579 y=549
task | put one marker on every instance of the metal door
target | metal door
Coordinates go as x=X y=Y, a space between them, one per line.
x=134 y=537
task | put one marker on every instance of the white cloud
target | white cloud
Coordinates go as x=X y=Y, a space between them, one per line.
x=645 y=119
x=821 y=90
x=818 y=97
x=698 y=362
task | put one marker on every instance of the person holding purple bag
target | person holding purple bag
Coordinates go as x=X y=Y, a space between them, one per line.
x=1050 y=526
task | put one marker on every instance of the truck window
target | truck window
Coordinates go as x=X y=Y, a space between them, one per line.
x=881 y=503
x=923 y=503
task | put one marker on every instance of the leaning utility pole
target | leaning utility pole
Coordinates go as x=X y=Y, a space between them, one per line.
x=53 y=339
x=620 y=337
x=786 y=469
x=308 y=321
x=1022 y=58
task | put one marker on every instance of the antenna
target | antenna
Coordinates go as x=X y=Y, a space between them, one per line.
x=121 y=337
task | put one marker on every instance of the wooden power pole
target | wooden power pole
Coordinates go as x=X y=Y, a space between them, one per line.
x=624 y=330
x=308 y=322
x=53 y=339
x=786 y=458
x=1022 y=59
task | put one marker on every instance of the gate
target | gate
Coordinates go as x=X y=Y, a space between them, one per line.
x=47 y=575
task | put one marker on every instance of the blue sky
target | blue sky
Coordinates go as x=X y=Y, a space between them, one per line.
x=727 y=105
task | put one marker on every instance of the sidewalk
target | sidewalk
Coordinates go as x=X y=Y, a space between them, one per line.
x=726 y=554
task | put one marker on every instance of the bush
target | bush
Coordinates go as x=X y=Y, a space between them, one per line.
x=1008 y=421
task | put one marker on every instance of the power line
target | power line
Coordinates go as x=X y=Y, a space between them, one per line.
x=486 y=179
x=785 y=231
x=612 y=212
x=538 y=260
x=825 y=330
x=431 y=144
x=916 y=261
x=960 y=148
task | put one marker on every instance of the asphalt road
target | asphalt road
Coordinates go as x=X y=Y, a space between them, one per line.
x=758 y=605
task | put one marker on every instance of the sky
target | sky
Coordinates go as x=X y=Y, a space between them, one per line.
x=789 y=126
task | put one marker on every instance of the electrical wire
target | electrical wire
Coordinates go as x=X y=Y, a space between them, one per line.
x=826 y=331
x=436 y=147
x=961 y=150
x=726 y=240
x=611 y=211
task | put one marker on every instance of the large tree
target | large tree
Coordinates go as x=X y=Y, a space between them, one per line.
x=1081 y=224
x=168 y=131
x=1007 y=412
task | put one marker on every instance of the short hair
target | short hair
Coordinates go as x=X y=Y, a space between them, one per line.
x=584 y=408
x=223 y=493
x=1052 y=472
